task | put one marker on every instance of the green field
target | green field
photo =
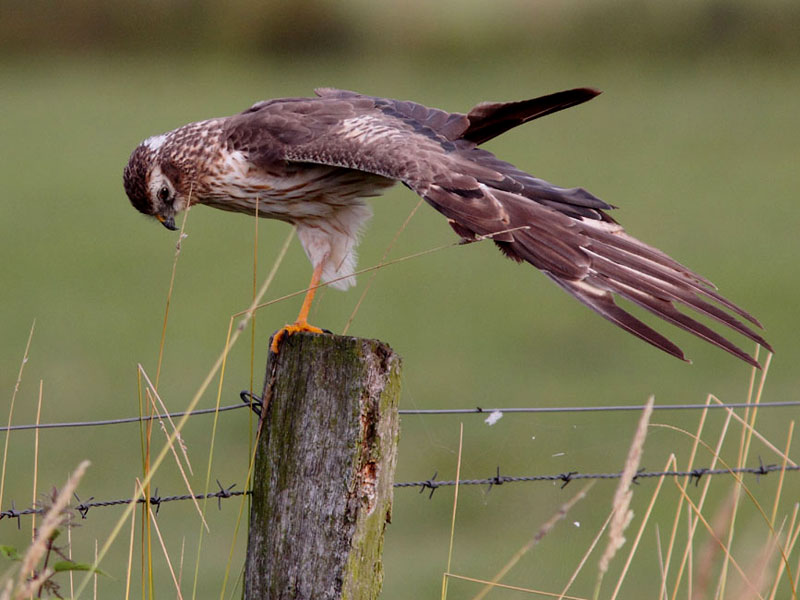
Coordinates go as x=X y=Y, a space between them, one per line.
x=700 y=156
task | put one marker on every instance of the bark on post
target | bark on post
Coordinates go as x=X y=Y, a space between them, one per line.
x=324 y=468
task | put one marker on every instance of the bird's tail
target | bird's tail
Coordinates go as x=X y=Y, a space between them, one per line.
x=594 y=259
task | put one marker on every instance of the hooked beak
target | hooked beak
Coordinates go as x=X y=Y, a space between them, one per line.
x=168 y=222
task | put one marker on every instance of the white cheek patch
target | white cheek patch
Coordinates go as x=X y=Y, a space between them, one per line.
x=155 y=181
x=155 y=142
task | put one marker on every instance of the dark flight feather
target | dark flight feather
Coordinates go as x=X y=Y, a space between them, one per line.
x=490 y=119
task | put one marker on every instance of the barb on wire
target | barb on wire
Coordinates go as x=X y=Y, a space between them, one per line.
x=255 y=404
x=83 y=507
x=569 y=476
x=431 y=484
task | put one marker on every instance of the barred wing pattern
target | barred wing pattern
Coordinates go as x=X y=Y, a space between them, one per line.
x=564 y=232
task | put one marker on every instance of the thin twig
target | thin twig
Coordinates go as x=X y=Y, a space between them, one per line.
x=455 y=506
x=389 y=247
x=11 y=408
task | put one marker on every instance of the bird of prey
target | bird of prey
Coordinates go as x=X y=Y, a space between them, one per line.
x=312 y=161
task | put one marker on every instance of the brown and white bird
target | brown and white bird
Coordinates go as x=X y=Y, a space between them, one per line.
x=312 y=161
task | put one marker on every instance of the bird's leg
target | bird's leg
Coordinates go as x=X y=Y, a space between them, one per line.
x=301 y=324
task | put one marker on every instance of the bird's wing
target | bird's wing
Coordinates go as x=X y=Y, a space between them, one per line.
x=487 y=120
x=563 y=232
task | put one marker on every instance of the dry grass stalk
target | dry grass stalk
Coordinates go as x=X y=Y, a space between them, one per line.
x=219 y=366
x=36 y=456
x=180 y=563
x=69 y=556
x=691 y=523
x=744 y=453
x=661 y=565
x=782 y=475
x=791 y=541
x=32 y=586
x=755 y=433
x=686 y=559
x=728 y=556
x=546 y=528
x=242 y=503
x=455 y=507
x=710 y=550
x=11 y=409
x=255 y=291
x=679 y=507
x=129 y=571
x=671 y=463
x=586 y=555
x=153 y=395
x=51 y=521
x=164 y=550
x=248 y=313
x=94 y=573
x=759 y=571
x=178 y=246
x=795 y=586
x=381 y=262
x=740 y=487
x=622 y=497
x=388 y=263
x=514 y=588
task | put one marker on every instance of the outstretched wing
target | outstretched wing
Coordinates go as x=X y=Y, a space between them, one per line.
x=562 y=231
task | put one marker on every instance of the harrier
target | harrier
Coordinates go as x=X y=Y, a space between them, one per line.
x=312 y=161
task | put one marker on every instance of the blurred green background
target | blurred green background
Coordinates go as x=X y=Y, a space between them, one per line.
x=695 y=139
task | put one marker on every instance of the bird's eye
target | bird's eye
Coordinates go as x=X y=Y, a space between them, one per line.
x=163 y=194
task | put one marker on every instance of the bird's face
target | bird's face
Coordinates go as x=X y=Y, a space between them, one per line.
x=153 y=184
x=164 y=200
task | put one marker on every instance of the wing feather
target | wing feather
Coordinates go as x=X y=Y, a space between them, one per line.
x=562 y=231
x=602 y=302
x=490 y=119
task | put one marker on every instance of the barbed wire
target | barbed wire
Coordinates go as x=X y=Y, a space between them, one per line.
x=83 y=507
x=431 y=484
x=695 y=474
x=254 y=402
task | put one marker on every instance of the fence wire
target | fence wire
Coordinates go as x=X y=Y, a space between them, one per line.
x=83 y=507
x=254 y=402
x=565 y=478
x=432 y=484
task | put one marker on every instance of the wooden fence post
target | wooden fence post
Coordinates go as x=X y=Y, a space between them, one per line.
x=324 y=469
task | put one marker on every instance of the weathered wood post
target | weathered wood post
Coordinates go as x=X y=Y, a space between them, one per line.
x=324 y=469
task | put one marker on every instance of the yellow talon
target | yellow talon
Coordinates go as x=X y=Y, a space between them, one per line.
x=289 y=330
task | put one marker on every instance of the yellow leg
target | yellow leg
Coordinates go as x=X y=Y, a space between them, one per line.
x=301 y=324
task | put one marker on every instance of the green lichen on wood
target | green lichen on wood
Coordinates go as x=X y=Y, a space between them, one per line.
x=364 y=571
x=324 y=470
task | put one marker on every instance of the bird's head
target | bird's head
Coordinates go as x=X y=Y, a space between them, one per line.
x=153 y=182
